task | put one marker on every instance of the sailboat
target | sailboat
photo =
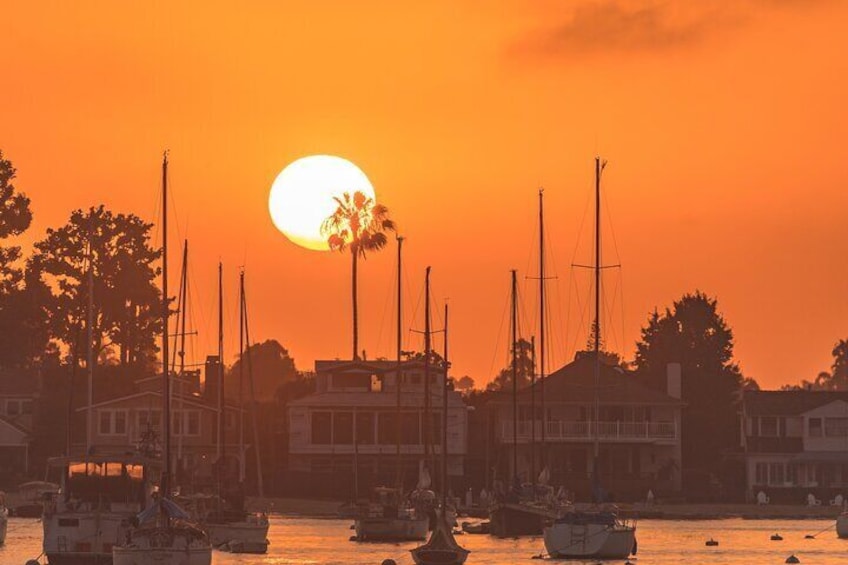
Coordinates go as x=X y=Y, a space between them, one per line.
x=441 y=548
x=232 y=528
x=164 y=534
x=599 y=533
x=395 y=518
x=514 y=514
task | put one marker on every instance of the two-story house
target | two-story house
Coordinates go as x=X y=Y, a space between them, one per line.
x=342 y=438
x=120 y=424
x=795 y=443
x=638 y=432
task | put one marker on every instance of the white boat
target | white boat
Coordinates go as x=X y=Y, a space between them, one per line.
x=391 y=519
x=590 y=535
x=170 y=541
x=842 y=525
x=237 y=532
x=98 y=495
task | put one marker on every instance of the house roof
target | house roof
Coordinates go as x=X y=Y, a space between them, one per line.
x=788 y=402
x=15 y=382
x=364 y=366
x=575 y=384
x=183 y=399
x=372 y=400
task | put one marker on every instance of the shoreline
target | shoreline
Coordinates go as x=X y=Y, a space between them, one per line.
x=325 y=509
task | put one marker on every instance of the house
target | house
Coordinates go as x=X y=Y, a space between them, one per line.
x=19 y=393
x=123 y=424
x=795 y=443
x=638 y=432
x=350 y=424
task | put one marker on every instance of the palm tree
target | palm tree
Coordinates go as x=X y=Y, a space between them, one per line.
x=358 y=224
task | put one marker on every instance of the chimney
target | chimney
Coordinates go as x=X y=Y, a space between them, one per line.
x=210 y=379
x=673 y=385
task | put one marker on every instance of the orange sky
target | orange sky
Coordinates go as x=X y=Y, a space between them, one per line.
x=724 y=125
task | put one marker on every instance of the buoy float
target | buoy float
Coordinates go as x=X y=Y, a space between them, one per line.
x=711 y=543
x=792 y=559
x=389 y=562
x=33 y=562
x=776 y=537
x=352 y=538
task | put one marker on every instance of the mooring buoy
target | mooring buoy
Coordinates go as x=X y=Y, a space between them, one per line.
x=388 y=562
x=792 y=559
x=776 y=537
x=711 y=543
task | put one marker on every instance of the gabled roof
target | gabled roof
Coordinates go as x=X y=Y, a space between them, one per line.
x=157 y=396
x=575 y=383
x=788 y=402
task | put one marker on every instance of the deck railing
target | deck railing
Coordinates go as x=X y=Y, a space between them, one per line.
x=583 y=430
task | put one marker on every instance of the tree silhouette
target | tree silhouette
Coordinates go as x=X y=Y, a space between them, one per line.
x=835 y=379
x=695 y=335
x=15 y=218
x=127 y=313
x=358 y=224
x=272 y=368
x=524 y=364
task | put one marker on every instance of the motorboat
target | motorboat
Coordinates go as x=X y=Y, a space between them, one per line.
x=842 y=525
x=234 y=530
x=596 y=534
x=33 y=493
x=4 y=518
x=97 y=497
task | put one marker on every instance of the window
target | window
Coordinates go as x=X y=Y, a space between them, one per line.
x=26 y=406
x=343 y=428
x=776 y=474
x=112 y=422
x=411 y=430
x=836 y=427
x=193 y=423
x=322 y=428
x=815 y=425
x=791 y=474
x=13 y=407
x=386 y=428
x=768 y=426
x=365 y=428
x=151 y=417
x=761 y=472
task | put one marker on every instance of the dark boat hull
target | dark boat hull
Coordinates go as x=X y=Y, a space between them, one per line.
x=516 y=520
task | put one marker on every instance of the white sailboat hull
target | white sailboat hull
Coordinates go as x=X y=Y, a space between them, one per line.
x=4 y=523
x=164 y=545
x=842 y=525
x=392 y=529
x=596 y=541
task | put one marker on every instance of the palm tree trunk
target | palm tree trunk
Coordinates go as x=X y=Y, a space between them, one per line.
x=355 y=305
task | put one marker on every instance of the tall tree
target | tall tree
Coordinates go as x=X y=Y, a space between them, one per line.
x=126 y=299
x=358 y=224
x=524 y=365
x=694 y=334
x=272 y=368
x=835 y=379
x=15 y=218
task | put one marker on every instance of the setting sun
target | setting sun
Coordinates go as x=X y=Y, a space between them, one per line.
x=302 y=196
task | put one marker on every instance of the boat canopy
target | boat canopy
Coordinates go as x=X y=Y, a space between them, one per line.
x=170 y=507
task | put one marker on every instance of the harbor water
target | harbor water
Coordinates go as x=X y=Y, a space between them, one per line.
x=302 y=541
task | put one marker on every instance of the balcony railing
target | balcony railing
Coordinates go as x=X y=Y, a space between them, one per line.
x=585 y=431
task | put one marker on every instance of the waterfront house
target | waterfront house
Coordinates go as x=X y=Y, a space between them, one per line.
x=349 y=424
x=795 y=443
x=19 y=393
x=638 y=432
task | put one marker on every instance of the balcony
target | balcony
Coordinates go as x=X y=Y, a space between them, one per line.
x=585 y=431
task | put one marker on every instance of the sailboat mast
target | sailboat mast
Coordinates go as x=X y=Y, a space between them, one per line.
x=596 y=326
x=241 y=378
x=533 y=411
x=260 y=483
x=427 y=422
x=445 y=421
x=514 y=374
x=542 y=323
x=221 y=413
x=398 y=373
x=89 y=423
x=166 y=389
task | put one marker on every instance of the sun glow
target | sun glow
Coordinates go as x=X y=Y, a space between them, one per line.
x=302 y=196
